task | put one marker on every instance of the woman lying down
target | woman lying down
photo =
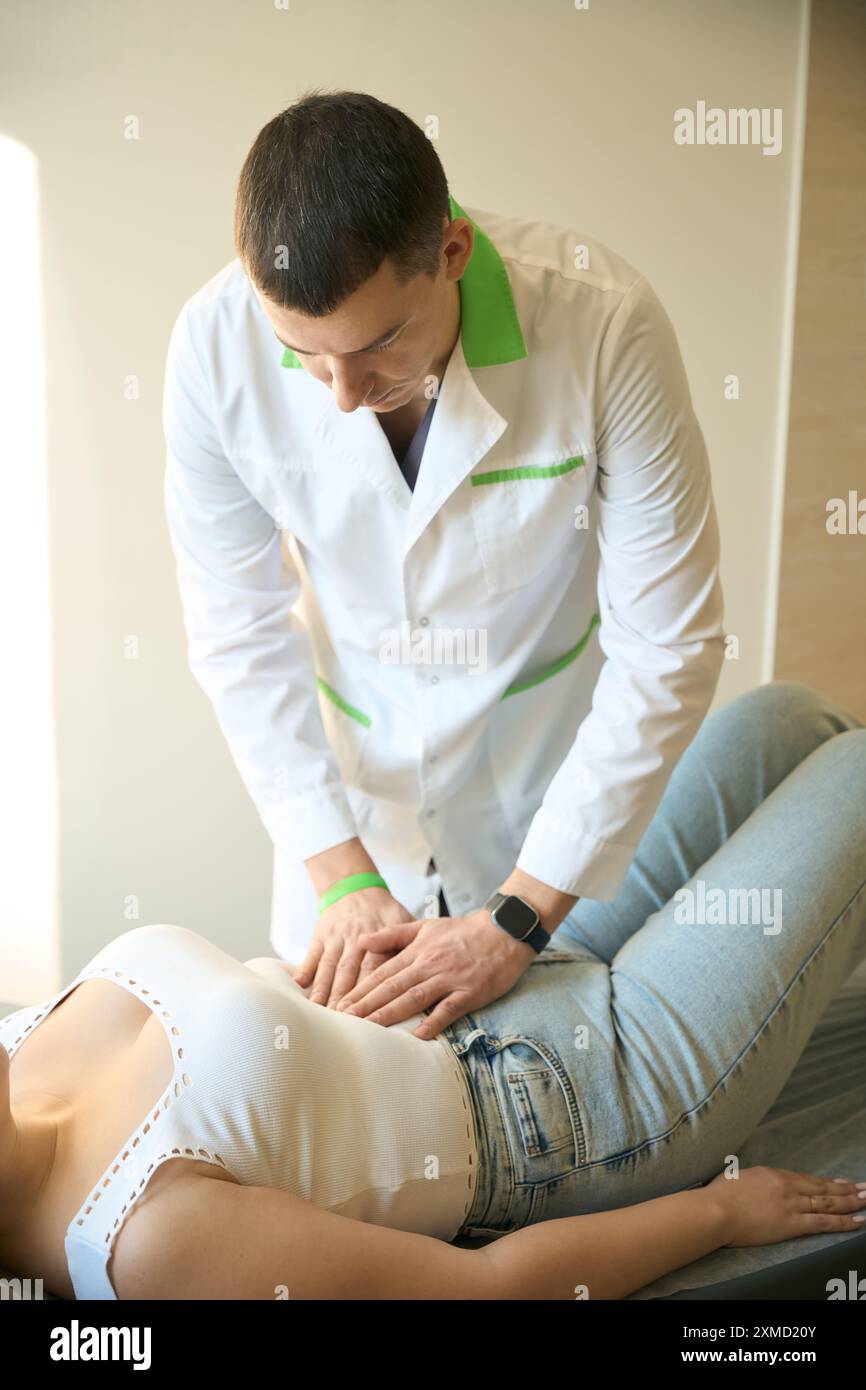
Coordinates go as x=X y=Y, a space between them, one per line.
x=177 y=1125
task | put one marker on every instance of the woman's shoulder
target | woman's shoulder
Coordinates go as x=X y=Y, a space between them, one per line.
x=151 y=1236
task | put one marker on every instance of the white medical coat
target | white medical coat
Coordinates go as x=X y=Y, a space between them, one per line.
x=502 y=667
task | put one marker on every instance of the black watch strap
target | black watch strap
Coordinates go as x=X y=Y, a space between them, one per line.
x=537 y=937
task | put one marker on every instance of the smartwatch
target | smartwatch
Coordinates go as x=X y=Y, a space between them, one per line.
x=517 y=918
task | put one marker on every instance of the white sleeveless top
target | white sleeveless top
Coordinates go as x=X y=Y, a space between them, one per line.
x=359 y=1119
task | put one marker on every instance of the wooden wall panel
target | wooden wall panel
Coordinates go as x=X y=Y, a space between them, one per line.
x=821 y=631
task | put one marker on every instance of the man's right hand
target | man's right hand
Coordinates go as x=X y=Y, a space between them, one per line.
x=334 y=962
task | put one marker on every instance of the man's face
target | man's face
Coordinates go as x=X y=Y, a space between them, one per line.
x=380 y=345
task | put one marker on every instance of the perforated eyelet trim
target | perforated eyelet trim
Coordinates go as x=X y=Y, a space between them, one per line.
x=176 y=1089
x=471 y=1138
x=12 y=1047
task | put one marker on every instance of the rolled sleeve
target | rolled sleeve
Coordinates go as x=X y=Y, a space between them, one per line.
x=660 y=605
x=247 y=649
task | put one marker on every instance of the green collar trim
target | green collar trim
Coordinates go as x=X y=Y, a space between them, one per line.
x=489 y=326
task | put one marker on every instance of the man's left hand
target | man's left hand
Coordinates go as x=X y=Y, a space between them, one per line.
x=456 y=963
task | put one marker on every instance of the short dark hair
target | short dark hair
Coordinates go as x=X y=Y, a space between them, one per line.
x=341 y=180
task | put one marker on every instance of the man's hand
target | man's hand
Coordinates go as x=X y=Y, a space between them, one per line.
x=336 y=960
x=456 y=963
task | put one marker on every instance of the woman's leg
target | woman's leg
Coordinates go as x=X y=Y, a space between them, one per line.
x=599 y=1082
x=739 y=754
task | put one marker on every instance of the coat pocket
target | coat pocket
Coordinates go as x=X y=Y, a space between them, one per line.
x=528 y=515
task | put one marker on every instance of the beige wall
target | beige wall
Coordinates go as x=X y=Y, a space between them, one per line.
x=543 y=110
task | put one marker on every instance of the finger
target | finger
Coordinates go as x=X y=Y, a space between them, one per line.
x=846 y=1191
x=346 y=974
x=372 y=960
x=811 y=1182
x=379 y=976
x=826 y=1203
x=390 y=938
x=447 y=1010
x=304 y=973
x=814 y=1185
x=404 y=994
x=813 y=1223
x=325 y=974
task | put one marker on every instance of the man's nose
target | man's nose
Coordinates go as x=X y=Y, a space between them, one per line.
x=350 y=389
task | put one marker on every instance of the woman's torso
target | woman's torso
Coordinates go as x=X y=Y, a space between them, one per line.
x=234 y=1060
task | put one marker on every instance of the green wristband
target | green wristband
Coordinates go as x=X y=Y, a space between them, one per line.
x=352 y=884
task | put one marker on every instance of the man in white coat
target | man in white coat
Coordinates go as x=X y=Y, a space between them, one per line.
x=447 y=554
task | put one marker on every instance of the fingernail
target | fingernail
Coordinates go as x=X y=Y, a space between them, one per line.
x=862 y=1217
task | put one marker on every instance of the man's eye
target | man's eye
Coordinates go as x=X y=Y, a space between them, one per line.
x=383 y=347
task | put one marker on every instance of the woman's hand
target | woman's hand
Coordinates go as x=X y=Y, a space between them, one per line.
x=767 y=1205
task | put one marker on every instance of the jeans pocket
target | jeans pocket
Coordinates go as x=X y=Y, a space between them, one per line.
x=544 y=1107
x=544 y=1126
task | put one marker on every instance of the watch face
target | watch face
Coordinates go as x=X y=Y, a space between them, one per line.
x=516 y=916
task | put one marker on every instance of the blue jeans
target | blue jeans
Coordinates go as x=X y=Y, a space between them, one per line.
x=650 y=1038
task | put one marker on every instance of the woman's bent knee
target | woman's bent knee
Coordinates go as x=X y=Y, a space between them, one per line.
x=788 y=710
x=845 y=757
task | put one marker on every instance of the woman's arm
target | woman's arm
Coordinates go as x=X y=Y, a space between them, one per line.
x=611 y=1254
x=208 y=1239
x=608 y=1254
x=200 y=1238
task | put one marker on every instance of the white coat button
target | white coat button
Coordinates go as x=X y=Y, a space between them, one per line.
x=434 y=680
x=423 y=621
